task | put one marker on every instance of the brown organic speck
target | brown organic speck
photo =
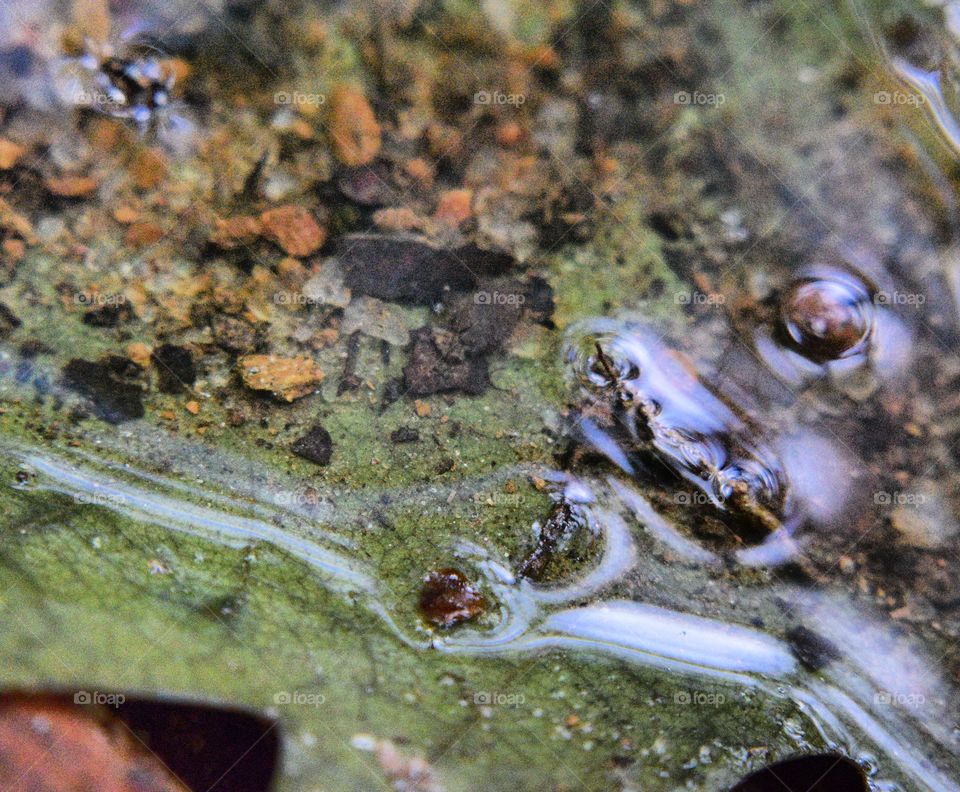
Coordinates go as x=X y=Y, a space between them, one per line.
x=448 y=598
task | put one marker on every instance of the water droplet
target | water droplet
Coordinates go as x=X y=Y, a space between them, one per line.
x=827 y=316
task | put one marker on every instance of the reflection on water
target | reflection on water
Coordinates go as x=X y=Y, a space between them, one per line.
x=781 y=465
x=873 y=698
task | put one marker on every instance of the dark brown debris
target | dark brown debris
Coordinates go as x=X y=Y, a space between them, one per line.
x=316 y=446
x=405 y=434
x=109 y=385
x=236 y=336
x=448 y=598
x=8 y=321
x=484 y=321
x=109 y=314
x=175 y=368
x=814 y=773
x=562 y=523
x=811 y=648
x=439 y=363
x=406 y=268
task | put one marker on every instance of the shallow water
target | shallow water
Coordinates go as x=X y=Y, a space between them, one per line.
x=703 y=293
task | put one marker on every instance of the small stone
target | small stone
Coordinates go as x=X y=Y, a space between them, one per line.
x=454 y=207
x=232 y=232
x=14 y=250
x=294 y=229
x=10 y=153
x=509 y=134
x=235 y=335
x=421 y=170
x=71 y=186
x=149 y=168
x=192 y=407
x=316 y=446
x=139 y=353
x=448 y=598
x=125 y=215
x=369 y=185
x=421 y=408
x=326 y=287
x=354 y=131
x=143 y=234
x=398 y=219
x=56 y=742
x=287 y=379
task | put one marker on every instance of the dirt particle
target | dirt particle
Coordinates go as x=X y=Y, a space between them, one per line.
x=107 y=384
x=421 y=408
x=148 y=169
x=175 y=368
x=404 y=268
x=9 y=321
x=71 y=186
x=235 y=335
x=287 y=379
x=109 y=314
x=141 y=235
x=139 y=353
x=233 y=232
x=316 y=446
x=293 y=229
x=125 y=215
x=10 y=154
x=193 y=407
x=454 y=207
x=405 y=434
x=354 y=131
x=439 y=363
x=811 y=648
x=447 y=598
